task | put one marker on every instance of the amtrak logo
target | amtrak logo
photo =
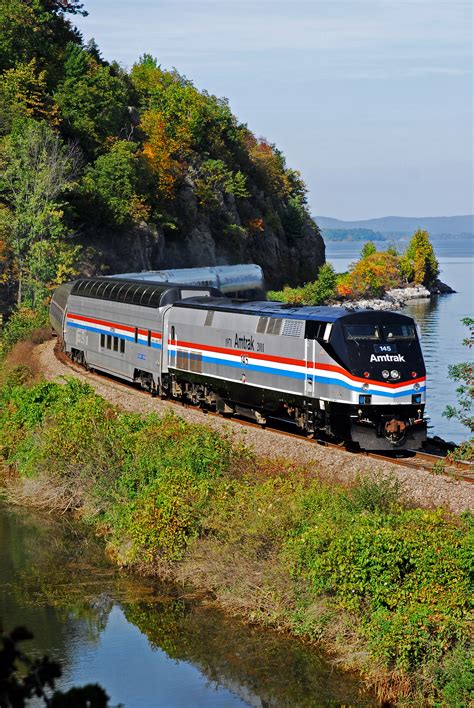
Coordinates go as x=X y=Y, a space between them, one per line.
x=387 y=357
x=247 y=343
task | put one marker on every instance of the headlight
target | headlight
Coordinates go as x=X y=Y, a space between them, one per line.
x=416 y=386
x=385 y=373
x=395 y=374
x=365 y=387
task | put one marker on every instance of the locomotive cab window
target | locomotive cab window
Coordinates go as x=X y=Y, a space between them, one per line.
x=361 y=332
x=314 y=330
x=398 y=331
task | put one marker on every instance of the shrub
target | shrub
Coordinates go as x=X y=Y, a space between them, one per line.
x=368 y=249
x=315 y=293
x=371 y=276
x=405 y=573
x=24 y=323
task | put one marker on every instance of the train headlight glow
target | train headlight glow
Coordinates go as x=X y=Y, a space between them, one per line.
x=395 y=374
x=416 y=386
x=385 y=373
x=365 y=387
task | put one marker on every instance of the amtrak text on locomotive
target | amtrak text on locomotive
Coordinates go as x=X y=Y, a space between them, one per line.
x=387 y=357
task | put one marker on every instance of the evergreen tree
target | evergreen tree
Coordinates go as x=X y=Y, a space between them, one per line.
x=418 y=263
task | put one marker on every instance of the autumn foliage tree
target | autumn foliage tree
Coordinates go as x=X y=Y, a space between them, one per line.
x=159 y=159
x=418 y=263
x=371 y=276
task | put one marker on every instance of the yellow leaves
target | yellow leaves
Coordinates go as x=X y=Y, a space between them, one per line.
x=163 y=152
x=24 y=90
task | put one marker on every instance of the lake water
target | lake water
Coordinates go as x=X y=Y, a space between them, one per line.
x=440 y=322
x=147 y=644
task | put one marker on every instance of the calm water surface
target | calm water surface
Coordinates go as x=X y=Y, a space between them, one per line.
x=146 y=645
x=440 y=322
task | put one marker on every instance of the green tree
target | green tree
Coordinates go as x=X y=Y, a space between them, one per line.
x=37 y=29
x=92 y=100
x=216 y=179
x=418 y=263
x=112 y=185
x=324 y=287
x=37 y=170
x=368 y=249
x=464 y=374
x=318 y=292
x=24 y=94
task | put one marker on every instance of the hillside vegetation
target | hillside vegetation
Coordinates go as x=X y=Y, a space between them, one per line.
x=107 y=170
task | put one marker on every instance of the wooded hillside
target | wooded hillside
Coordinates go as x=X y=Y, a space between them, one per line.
x=108 y=170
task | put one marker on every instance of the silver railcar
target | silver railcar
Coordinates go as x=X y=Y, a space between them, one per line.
x=358 y=376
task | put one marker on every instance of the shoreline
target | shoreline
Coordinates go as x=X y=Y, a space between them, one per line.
x=396 y=298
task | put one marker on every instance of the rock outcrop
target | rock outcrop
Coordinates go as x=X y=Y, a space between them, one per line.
x=249 y=230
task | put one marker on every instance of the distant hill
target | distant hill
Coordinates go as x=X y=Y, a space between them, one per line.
x=353 y=235
x=436 y=225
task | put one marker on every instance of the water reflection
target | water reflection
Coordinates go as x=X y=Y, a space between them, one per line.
x=143 y=643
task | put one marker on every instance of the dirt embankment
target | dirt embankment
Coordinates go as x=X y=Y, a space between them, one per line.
x=422 y=488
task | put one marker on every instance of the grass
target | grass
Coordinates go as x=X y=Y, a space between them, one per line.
x=384 y=586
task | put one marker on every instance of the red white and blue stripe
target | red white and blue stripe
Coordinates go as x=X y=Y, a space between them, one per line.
x=291 y=368
x=92 y=324
x=326 y=374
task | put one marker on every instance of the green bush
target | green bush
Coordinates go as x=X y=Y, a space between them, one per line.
x=405 y=573
x=317 y=292
x=23 y=323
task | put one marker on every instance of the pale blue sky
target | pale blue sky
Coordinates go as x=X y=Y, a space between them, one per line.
x=371 y=99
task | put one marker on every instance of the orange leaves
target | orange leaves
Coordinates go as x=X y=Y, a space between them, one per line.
x=256 y=226
x=344 y=287
x=271 y=165
x=165 y=154
x=372 y=275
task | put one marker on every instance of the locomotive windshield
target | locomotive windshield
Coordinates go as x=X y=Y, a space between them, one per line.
x=388 y=332
x=398 y=331
x=365 y=331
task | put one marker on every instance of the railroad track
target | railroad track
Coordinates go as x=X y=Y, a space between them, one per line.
x=416 y=459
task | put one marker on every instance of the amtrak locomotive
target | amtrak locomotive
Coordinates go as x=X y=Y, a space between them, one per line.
x=356 y=375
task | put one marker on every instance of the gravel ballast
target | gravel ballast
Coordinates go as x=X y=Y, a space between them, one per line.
x=421 y=487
